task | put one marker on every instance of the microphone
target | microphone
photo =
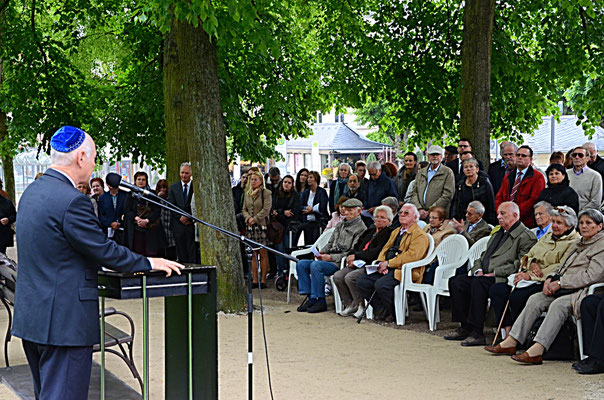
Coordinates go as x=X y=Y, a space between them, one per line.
x=115 y=180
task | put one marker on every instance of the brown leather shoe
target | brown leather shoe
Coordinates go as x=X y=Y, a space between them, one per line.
x=501 y=350
x=526 y=359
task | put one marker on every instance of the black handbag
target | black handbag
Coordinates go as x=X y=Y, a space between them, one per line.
x=564 y=347
x=275 y=231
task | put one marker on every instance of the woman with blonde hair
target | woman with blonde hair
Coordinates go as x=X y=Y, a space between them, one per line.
x=257 y=203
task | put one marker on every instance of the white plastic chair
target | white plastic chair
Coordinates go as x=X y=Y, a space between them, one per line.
x=321 y=241
x=577 y=322
x=334 y=290
x=452 y=253
x=421 y=224
x=399 y=311
x=476 y=251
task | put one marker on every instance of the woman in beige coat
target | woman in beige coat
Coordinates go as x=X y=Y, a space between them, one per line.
x=543 y=258
x=563 y=290
x=257 y=204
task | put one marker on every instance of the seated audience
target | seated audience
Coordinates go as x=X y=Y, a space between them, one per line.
x=563 y=291
x=434 y=185
x=543 y=258
x=592 y=317
x=474 y=228
x=473 y=187
x=406 y=244
x=558 y=191
x=286 y=209
x=543 y=218
x=312 y=273
x=379 y=186
x=393 y=203
x=339 y=186
x=365 y=251
x=337 y=216
x=314 y=209
x=499 y=168
x=142 y=220
x=584 y=180
x=406 y=175
x=439 y=229
x=470 y=294
x=522 y=186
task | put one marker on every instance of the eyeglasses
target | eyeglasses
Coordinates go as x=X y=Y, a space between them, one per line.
x=404 y=212
x=578 y=155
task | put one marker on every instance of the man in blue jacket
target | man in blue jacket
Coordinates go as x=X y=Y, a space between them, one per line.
x=60 y=247
x=379 y=187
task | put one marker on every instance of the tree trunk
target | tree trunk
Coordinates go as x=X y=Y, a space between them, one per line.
x=194 y=118
x=7 y=161
x=475 y=88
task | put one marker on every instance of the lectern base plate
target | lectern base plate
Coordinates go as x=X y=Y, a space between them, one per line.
x=18 y=379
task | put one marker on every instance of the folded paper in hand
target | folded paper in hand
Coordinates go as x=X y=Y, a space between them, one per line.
x=371 y=269
x=520 y=284
x=315 y=251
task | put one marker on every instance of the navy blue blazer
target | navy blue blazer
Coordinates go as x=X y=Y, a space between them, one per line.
x=321 y=198
x=60 y=247
x=108 y=214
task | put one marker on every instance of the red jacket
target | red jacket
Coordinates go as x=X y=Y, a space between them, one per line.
x=531 y=186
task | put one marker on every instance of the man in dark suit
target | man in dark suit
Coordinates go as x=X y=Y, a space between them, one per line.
x=111 y=213
x=499 y=168
x=463 y=145
x=60 y=249
x=180 y=194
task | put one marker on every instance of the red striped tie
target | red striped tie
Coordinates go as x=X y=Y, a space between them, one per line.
x=516 y=186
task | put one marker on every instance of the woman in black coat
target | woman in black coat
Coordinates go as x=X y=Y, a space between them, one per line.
x=144 y=231
x=287 y=211
x=314 y=209
x=8 y=215
x=558 y=191
x=475 y=186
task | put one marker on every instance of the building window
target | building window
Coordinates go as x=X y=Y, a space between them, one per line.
x=319 y=117
x=342 y=117
x=337 y=117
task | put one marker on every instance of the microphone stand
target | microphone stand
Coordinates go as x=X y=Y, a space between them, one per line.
x=253 y=247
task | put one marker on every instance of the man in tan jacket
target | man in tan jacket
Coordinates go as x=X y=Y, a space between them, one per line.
x=470 y=294
x=434 y=185
x=406 y=244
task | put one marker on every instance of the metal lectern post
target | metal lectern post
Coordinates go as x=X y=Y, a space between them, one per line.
x=145 y=340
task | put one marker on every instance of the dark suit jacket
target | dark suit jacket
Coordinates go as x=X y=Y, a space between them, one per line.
x=481 y=230
x=108 y=214
x=7 y=210
x=321 y=199
x=176 y=197
x=60 y=249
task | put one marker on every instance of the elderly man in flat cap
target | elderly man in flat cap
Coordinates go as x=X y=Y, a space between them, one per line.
x=434 y=186
x=312 y=273
x=60 y=249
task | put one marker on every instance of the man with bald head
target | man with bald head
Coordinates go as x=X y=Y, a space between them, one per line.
x=60 y=248
x=470 y=294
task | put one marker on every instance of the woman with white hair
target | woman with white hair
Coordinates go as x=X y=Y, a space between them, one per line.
x=563 y=290
x=366 y=250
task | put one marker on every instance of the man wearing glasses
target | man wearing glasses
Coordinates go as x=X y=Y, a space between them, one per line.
x=498 y=169
x=584 y=180
x=522 y=186
x=463 y=145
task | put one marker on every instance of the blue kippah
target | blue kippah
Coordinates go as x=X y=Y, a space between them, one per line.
x=67 y=138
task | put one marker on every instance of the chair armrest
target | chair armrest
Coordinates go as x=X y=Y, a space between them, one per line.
x=301 y=252
x=408 y=267
x=112 y=311
x=592 y=288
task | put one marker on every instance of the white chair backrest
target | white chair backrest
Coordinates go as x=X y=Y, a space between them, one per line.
x=324 y=238
x=430 y=246
x=421 y=224
x=476 y=250
x=452 y=249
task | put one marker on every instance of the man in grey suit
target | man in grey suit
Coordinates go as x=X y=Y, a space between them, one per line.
x=475 y=227
x=470 y=294
x=183 y=228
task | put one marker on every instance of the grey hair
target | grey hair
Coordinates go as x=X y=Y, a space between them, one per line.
x=569 y=215
x=374 y=165
x=548 y=206
x=385 y=209
x=390 y=201
x=477 y=206
x=185 y=164
x=345 y=165
x=590 y=146
x=470 y=161
x=60 y=158
x=513 y=205
x=415 y=210
x=503 y=146
x=595 y=215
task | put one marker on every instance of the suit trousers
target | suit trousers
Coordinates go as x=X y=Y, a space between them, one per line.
x=59 y=372
x=383 y=285
x=592 y=317
x=558 y=311
x=469 y=299
x=346 y=282
x=184 y=237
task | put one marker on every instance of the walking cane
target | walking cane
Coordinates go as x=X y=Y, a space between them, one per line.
x=365 y=309
x=507 y=303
